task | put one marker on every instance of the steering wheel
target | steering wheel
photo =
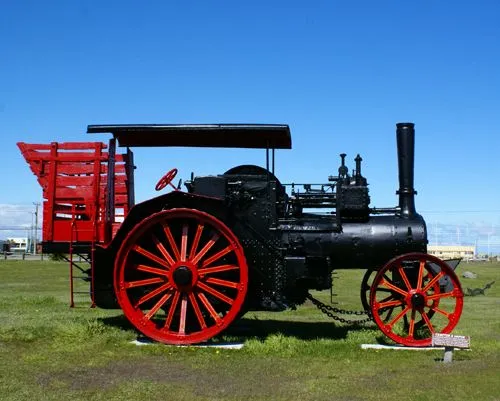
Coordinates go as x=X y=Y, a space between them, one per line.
x=167 y=180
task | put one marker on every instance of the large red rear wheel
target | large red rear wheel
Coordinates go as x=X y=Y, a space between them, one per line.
x=409 y=303
x=181 y=276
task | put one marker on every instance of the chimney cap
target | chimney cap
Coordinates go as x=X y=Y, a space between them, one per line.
x=405 y=125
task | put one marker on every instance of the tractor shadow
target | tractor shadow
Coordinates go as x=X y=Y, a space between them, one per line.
x=252 y=327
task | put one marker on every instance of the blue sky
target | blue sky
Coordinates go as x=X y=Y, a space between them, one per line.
x=340 y=73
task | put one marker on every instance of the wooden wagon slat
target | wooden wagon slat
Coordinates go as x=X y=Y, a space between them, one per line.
x=65 y=157
x=79 y=168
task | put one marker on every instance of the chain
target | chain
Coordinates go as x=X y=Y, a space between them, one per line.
x=330 y=310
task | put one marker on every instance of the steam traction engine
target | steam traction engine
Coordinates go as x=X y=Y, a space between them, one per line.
x=184 y=265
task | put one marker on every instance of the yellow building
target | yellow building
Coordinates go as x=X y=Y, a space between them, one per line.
x=452 y=251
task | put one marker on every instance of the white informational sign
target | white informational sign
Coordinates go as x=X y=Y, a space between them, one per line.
x=451 y=341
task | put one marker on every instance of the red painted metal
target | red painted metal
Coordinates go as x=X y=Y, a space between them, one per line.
x=388 y=313
x=409 y=310
x=166 y=180
x=181 y=276
x=73 y=177
x=71 y=265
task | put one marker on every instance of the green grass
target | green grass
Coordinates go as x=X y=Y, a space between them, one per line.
x=49 y=351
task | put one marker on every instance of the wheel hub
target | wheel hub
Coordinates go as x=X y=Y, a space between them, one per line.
x=182 y=276
x=417 y=301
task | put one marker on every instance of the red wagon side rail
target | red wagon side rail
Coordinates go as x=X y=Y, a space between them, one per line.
x=87 y=191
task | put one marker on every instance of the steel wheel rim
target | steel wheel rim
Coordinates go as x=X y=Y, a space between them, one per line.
x=419 y=298
x=181 y=276
x=365 y=288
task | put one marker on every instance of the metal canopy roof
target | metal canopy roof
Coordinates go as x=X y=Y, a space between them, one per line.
x=257 y=136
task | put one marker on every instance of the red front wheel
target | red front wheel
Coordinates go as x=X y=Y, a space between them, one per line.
x=410 y=301
x=181 y=276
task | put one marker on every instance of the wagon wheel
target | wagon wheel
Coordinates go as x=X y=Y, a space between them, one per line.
x=389 y=311
x=411 y=283
x=366 y=284
x=181 y=276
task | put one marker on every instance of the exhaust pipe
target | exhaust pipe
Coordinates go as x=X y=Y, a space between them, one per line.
x=405 y=133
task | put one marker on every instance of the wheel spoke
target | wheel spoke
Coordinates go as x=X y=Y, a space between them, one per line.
x=387 y=304
x=171 y=310
x=184 y=241
x=442 y=312
x=420 y=274
x=388 y=298
x=140 y=283
x=209 y=307
x=152 y=294
x=163 y=251
x=224 y=283
x=404 y=277
x=150 y=269
x=427 y=321
x=405 y=320
x=217 y=256
x=387 y=277
x=151 y=256
x=399 y=316
x=197 y=310
x=440 y=295
x=393 y=287
x=158 y=305
x=379 y=289
x=391 y=296
x=182 y=321
x=196 y=241
x=206 y=248
x=215 y=293
x=433 y=281
x=412 y=324
x=390 y=311
x=171 y=241
x=217 y=269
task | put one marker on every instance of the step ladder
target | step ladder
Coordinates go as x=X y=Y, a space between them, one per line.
x=81 y=270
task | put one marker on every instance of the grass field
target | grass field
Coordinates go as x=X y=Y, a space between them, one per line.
x=51 y=352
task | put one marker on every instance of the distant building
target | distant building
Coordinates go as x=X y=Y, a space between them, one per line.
x=18 y=244
x=452 y=251
x=4 y=246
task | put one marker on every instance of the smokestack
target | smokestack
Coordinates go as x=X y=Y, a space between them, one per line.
x=405 y=133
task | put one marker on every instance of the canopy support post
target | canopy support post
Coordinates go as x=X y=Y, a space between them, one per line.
x=267 y=158
x=272 y=162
